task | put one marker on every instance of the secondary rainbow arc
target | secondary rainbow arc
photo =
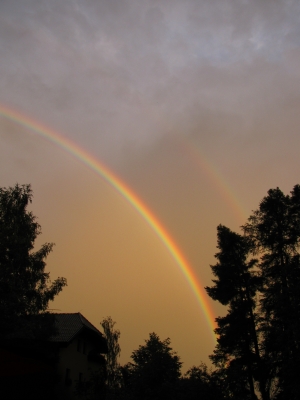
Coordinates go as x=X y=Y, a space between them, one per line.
x=199 y=159
x=111 y=178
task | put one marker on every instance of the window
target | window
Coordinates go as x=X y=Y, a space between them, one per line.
x=79 y=345
x=84 y=348
x=68 y=381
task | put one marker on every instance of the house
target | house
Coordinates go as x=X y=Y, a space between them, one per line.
x=80 y=348
x=70 y=362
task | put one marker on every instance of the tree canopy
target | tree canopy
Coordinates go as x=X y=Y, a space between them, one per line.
x=25 y=287
x=154 y=371
x=258 y=279
x=112 y=365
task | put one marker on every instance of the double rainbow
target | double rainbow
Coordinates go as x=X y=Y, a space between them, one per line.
x=120 y=186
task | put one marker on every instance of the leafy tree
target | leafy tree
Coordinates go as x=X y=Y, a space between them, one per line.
x=92 y=388
x=112 y=366
x=155 y=370
x=25 y=288
x=200 y=383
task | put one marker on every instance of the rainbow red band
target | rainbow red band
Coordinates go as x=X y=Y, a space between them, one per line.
x=78 y=152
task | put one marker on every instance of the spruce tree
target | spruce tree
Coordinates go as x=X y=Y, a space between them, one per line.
x=274 y=230
x=237 y=352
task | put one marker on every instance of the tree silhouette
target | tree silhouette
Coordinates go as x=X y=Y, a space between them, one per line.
x=112 y=366
x=258 y=345
x=25 y=288
x=237 y=350
x=200 y=383
x=155 y=370
x=274 y=230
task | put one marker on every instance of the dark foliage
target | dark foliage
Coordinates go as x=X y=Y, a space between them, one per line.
x=113 y=371
x=25 y=289
x=154 y=372
x=258 y=345
x=199 y=383
x=93 y=388
x=274 y=230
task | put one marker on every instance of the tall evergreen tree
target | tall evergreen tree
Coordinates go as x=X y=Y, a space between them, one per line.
x=258 y=345
x=274 y=230
x=237 y=353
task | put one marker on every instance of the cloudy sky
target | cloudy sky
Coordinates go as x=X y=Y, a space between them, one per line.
x=193 y=104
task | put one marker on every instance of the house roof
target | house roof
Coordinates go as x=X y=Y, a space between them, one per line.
x=70 y=325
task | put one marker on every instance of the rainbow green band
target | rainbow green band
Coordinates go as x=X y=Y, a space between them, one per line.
x=81 y=154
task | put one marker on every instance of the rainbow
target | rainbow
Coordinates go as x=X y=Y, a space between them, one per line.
x=102 y=170
x=196 y=156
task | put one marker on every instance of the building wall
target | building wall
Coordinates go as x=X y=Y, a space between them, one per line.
x=74 y=365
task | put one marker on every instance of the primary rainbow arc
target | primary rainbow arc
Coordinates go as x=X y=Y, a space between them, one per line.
x=102 y=170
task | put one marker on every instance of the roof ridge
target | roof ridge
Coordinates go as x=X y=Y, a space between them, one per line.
x=70 y=324
x=66 y=313
x=86 y=322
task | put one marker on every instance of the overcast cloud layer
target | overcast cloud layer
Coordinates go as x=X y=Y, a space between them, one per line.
x=126 y=72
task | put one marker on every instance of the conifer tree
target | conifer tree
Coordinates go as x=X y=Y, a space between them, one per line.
x=274 y=230
x=237 y=352
x=258 y=345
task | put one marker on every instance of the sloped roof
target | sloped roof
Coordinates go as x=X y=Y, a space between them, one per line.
x=69 y=325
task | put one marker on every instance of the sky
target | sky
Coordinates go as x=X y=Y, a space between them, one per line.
x=192 y=104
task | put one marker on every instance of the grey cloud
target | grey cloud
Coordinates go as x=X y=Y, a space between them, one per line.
x=114 y=73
